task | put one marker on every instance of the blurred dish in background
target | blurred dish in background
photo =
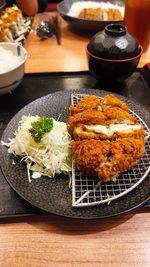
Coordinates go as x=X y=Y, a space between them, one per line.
x=137 y=20
x=91 y=16
x=94 y=10
x=100 y=14
x=13 y=26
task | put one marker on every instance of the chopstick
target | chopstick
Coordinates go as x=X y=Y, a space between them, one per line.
x=55 y=22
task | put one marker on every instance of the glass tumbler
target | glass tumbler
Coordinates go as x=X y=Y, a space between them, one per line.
x=137 y=20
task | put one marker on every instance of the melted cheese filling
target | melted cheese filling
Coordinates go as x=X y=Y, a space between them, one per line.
x=113 y=128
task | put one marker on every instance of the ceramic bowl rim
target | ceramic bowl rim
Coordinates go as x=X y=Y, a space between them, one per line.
x=21 y=62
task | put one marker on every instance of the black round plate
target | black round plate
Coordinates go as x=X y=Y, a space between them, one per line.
x=54 y=195
x=82 y=24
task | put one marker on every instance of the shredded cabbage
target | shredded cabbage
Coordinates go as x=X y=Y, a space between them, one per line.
x=50 y=156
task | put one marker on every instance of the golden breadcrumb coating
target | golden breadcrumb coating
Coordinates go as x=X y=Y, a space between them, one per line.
x=118 y=115
x=108 y=140
x=107 y=159
x=98 y=13
x=87 y=102
x=86 y=117
x=89 y=155
x=113 y=101
x=80 y=132
x=124 y=154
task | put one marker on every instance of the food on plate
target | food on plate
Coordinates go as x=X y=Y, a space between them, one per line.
x=8 y=56
x=103 y=137
x=107 y=159
x=10 y=21
x=100 y=14
x=88 y=117
x=94 y=102
x=112 y=101
x=91 y=10
x=108 y=140
x=12 y=24
x=40 y=127
x=106 y=119
x=86 y=103
x=44 y=144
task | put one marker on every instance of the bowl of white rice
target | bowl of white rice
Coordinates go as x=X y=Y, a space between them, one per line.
x=93 y=15
x=12 y=62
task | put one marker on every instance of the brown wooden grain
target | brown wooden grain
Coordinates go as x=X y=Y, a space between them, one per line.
x=56 y=241
x=47 y=56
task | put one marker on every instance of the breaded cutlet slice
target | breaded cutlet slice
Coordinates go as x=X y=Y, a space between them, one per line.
x=87 y=102
x=110 y=13
x=115 y=123
x=89 y=116
x=107 y=159
x=95 y=124
x=89 y=155
x=117 y=14
x=117 y=115
x=124 y=154
x=94 y=102
x=112 y=101
x=110 y=132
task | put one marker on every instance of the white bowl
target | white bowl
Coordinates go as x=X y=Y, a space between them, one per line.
x=11 y=79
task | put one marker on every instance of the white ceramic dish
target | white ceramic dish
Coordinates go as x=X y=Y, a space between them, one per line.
x=11 y=79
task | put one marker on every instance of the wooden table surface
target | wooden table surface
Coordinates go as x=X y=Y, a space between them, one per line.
x=59 y=242
x=122 y=241
x=47 y=56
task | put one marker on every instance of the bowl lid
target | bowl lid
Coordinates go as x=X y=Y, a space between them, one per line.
x=115 y=42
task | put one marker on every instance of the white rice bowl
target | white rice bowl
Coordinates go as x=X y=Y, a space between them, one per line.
x=12 y=61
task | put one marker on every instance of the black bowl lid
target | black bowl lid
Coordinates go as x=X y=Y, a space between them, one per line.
x=114 y=43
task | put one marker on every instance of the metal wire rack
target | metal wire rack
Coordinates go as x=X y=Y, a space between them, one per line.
x=88 y=191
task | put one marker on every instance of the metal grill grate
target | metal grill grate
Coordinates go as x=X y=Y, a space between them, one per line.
x=88 y=191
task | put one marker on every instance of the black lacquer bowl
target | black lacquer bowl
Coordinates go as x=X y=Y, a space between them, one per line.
x=54 y=195
x=85 y=25
x=113 y=54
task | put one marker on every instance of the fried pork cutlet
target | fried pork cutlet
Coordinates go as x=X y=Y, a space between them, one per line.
x=110 y=132
x=107 y=159
x=112 y=101
x=88 y=117
x=108 y=139
x=93 y=111
x=117 y=115
x=87 y=102
x=91 y=14
x=112 y=123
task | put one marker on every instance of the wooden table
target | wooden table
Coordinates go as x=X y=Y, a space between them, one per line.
x=47 y=56
x=59 y=242
x=40 y=241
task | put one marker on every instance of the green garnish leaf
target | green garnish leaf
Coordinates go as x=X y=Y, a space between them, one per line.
x=40 y=127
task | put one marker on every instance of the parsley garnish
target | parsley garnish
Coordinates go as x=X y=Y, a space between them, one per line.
x=40 y=127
